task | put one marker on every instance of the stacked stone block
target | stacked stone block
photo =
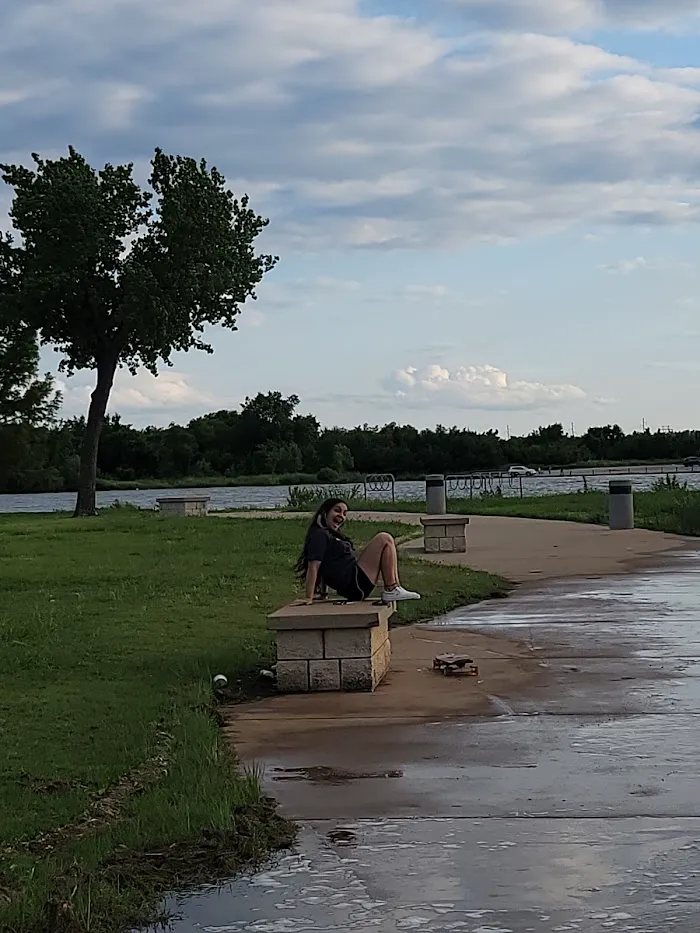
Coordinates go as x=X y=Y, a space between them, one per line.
x=184 y=506
x=331 y=647
x=446 y=534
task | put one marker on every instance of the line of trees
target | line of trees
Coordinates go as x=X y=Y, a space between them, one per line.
x=268 y=437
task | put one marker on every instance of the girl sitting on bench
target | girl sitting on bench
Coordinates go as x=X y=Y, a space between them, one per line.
x=329 y=559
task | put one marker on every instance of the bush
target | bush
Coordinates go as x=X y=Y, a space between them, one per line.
x=689 y=519
x=668 y=482
x=310 y=497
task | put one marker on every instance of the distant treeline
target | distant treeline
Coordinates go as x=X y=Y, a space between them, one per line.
x=267 y=437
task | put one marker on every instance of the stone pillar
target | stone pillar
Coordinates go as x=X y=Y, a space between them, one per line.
x=435 y=496
x=621 y=505
x=445 y=534
x=331 y=647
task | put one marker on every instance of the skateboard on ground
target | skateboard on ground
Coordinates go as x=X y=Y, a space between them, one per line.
x=455 y=664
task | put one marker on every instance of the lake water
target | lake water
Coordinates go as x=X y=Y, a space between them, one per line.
x=270 y=497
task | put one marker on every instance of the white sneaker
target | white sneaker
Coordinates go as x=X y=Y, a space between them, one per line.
x=398 y=594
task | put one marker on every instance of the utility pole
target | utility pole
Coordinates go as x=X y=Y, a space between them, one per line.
x=572 y=429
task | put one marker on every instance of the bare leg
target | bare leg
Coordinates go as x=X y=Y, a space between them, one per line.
x=380 y=557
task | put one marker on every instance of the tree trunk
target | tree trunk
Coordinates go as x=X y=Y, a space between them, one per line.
x=85 y=504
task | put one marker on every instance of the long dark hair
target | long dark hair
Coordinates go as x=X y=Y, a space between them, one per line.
x=318 y=521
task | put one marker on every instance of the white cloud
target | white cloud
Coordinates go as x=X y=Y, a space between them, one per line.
x=118 y=105
x=372 y=131
x=572 y=15
x=169 y=390
x=426 y=292
x=477 y=387
x=676 y=365
x=626 y=266
x=329 y=283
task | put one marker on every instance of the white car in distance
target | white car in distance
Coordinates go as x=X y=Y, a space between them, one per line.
x=521 y=471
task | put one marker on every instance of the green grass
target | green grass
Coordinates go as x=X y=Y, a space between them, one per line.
x=675 y=511
x=110 y=631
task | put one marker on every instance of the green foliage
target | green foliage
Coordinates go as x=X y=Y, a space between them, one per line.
x=688 y=517
x=25 y=398
x=496 y=493
x=27 y=404
x=310 y=497
x=342 y=460
x=328 y=475
x=667 y=482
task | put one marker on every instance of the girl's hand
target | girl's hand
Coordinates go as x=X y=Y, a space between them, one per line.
x=302 y=602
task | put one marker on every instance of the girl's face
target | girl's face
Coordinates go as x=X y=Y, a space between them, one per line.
x=336 y=516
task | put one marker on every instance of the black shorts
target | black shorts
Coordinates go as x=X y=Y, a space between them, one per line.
x=360 y=587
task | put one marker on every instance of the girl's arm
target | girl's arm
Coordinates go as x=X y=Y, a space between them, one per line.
x=311 y=578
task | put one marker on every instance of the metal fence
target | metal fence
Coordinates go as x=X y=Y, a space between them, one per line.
x=481 y=484
x=380 y=483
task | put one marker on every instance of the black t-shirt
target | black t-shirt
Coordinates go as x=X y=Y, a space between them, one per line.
x=337 y=558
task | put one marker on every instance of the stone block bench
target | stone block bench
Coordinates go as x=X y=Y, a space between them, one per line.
x=331 y=647
x=446 y=534
x=184 y=505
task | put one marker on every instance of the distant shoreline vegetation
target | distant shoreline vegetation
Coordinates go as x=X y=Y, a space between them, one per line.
x=266 y=443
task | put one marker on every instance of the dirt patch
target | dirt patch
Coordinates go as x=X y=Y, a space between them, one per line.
x=42 y=786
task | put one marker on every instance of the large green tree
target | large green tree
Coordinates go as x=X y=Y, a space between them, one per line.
x=113 y=275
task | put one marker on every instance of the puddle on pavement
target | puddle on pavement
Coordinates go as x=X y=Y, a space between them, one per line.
x=322 y=775
x=585 y=820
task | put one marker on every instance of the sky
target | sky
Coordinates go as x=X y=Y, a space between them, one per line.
x=486 y=211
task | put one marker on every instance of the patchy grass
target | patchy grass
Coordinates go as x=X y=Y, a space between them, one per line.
x=115 y=784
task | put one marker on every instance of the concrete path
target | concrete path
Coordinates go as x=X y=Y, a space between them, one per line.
x=573 y=806
x=525 y=549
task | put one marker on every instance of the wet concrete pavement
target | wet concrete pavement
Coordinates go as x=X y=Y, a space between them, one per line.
x=576 y=806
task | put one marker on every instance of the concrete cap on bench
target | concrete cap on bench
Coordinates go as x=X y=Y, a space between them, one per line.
x=444 y=519
x=327 y=614
x=183 y=499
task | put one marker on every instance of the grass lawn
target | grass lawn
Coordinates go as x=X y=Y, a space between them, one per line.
x=115 y=785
